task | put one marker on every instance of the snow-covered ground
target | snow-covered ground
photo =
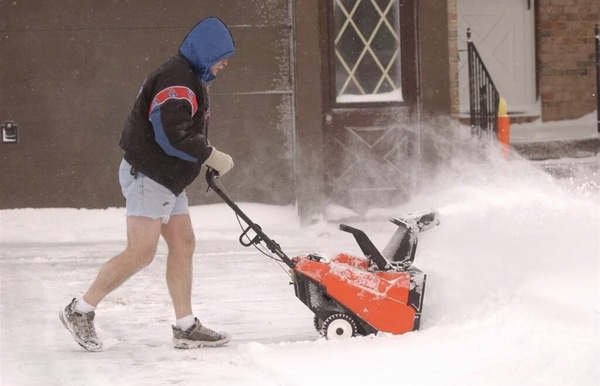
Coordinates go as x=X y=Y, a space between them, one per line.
x=512 y=297
x=582 y=128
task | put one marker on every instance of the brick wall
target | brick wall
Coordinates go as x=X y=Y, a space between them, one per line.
x=566 y=57
x=70 y=69
x=565 y=51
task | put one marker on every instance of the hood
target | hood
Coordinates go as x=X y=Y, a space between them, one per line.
x=206 y=44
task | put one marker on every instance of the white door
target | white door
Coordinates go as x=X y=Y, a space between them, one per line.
x=503 y=33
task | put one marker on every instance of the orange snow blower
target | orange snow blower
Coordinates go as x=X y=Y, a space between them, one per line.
x=353 y=295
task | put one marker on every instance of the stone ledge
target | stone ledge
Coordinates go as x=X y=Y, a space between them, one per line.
x=554 y=149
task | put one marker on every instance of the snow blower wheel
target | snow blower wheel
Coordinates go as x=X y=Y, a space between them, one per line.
x=339 y=327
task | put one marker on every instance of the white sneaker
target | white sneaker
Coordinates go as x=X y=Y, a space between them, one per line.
x=81 y=327
x=198 y=336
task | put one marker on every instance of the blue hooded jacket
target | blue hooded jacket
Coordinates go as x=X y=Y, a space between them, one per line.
x=209 y=42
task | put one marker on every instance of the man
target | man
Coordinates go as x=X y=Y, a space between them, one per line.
x=165 y=144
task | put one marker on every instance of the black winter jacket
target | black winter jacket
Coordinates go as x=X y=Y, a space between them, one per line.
x=166 y=134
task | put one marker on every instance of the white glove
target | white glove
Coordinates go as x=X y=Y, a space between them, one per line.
x=219 y=161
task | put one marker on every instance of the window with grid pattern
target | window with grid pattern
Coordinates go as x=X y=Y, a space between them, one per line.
x=367 y=51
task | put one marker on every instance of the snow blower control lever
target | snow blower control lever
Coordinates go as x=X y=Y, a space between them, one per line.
x=245 y=238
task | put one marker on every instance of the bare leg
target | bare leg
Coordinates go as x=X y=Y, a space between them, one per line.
x=142 y=239
x=179 y=235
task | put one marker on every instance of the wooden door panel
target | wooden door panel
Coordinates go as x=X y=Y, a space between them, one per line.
x=369 y=56
x=369 y=158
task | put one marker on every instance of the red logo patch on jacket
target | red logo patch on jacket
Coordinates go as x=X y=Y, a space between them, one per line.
x=175 y=92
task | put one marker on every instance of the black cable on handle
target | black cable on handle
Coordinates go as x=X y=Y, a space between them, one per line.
x=211 y=179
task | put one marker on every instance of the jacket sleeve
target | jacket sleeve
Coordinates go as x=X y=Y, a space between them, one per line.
x=175 y=131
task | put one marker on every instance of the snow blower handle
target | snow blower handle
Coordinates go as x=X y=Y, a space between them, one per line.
x=211 y=176
x=211 y=179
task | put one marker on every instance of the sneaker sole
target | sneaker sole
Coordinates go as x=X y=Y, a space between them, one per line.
x=90 y=348
x=185 y=344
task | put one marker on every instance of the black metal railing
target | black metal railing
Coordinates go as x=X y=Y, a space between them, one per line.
x=597 y=32
x=483 y=96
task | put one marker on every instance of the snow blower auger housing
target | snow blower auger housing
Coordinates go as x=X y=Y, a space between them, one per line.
x=354 y=295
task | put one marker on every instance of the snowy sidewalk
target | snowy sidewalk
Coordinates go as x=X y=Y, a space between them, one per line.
x=511 y=299
x=577 y=129
x=577 y=138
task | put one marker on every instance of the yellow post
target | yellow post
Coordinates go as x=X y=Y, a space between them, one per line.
x=504 y=128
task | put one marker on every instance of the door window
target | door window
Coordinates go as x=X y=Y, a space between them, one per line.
x=367 y=51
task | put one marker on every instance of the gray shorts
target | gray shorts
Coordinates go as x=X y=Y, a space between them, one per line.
x=147 y=198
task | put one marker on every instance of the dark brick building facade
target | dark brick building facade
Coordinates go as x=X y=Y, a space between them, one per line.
x=69 y=71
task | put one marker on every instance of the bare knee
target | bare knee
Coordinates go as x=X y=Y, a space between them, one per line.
x=183 y=245
x=179 y=235
x=141 y=256
x=142 y=240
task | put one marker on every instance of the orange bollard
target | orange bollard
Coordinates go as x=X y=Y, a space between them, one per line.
x=504 y=128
